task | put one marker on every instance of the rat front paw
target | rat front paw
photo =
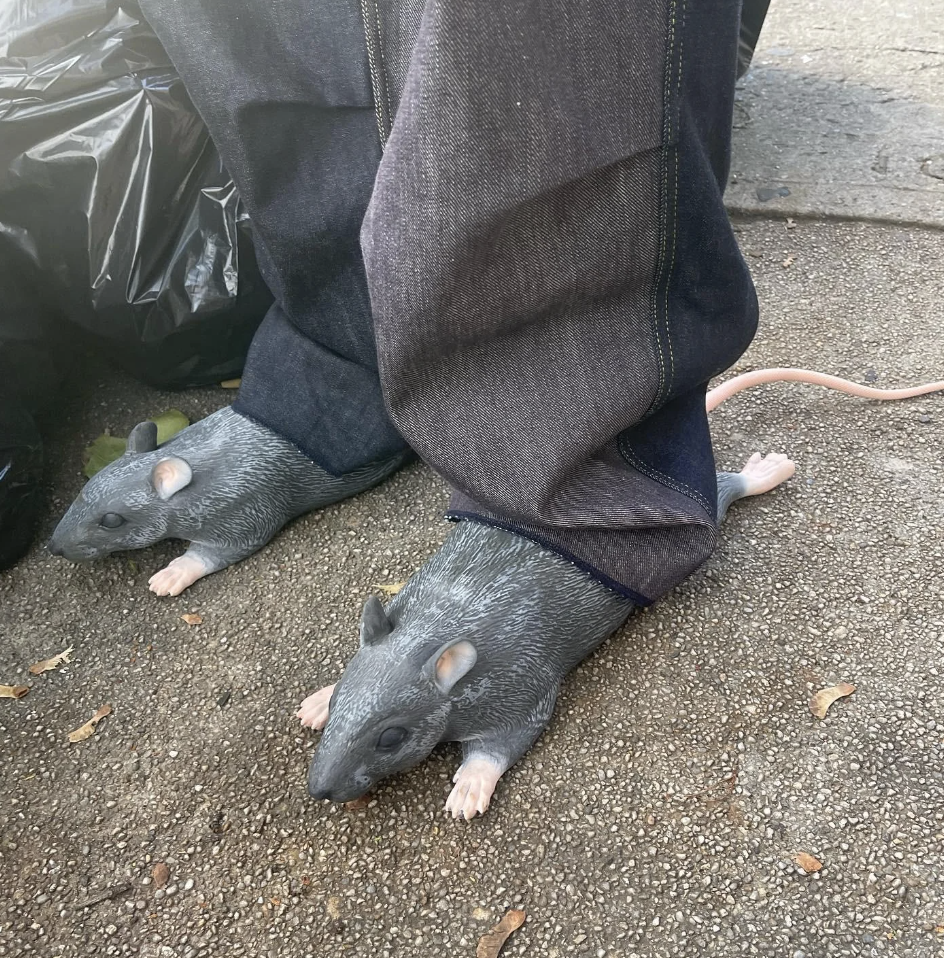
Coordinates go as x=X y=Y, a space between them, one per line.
x=474 y=786
x=179 y=575
x=314 y=710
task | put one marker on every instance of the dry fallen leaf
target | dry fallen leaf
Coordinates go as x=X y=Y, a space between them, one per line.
x=160 y=873
x=85 y=731
x=357 y=803
x=231 y=383
x=13 y=691
x=819 y=704
x=491 y=944
x=787 y=262
x=808 y=863
x=191 y=618
x=48 y=664
x=391 y=588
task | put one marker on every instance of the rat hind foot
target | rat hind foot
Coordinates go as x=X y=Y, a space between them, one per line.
x=760 y=474
x=178 y=575
x=763 y=473
x=474 y=786
x=314 y=710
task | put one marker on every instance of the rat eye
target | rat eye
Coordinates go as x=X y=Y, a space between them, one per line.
x=111 y=520
x=391 y=738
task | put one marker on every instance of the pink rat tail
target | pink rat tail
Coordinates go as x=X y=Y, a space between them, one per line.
x=785 y=375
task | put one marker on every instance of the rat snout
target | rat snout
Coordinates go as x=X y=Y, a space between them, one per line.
x=326 y=787
x=318 y=786
x=67 y=550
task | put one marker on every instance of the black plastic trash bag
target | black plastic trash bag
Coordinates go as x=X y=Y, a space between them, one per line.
x=116 y=214
x=21 y=465
x=119 y=228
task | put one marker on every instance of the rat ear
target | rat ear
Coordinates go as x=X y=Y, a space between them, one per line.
x=143 y=438
x=375 y=626
x=450 y=663
x=169 y=476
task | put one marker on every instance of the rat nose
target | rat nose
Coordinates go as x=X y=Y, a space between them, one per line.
x=316 y=786
x=53 y=548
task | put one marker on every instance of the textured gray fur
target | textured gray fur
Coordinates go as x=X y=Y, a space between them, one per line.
x=247 y=483
x=531 y=617
x=731 y=487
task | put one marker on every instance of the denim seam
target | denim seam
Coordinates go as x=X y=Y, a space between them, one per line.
x=663 y=204
x=678 y=133
x=457 y=515
x=437 y=19
x=630 y=456
x=376 y=81
x=384 y=83
x=661 y=326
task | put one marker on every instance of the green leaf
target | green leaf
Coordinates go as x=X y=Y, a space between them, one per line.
x=101 y=452
x=169 y=423
x=106 y=449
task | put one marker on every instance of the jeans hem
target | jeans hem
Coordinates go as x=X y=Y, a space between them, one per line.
x=601 y=577
x=239 y=408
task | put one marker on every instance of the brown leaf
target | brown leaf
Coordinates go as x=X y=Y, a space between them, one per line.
x=391 y=588
x=787 y=263
x=48 y=664
x=357 y=803
x=85 y=731
x=819 y=704
x=13 y=691
x=491 y=944
x=808 y=863
x=160 y=873
x=192 y=618
x=231 y=383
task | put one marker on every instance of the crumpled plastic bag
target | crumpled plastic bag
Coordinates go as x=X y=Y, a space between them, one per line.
x=117 y=219
x=21 y=465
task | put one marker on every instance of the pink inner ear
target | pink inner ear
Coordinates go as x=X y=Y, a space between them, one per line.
x=454 y=663
x=170 y=476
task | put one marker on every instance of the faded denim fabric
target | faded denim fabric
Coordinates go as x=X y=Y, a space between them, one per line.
x=552 y=274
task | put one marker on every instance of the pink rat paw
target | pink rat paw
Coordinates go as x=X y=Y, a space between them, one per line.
x=177 y=576
x=314 y=710
x=474 y=786
x=763 y=473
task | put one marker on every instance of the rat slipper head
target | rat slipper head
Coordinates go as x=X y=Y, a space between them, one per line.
x=124 y=505
x=390 y=708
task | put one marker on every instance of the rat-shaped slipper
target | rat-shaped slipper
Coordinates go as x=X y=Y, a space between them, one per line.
x=473 y=649
x=226 y=484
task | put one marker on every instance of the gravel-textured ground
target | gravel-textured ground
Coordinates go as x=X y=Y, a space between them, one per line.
x=660 y=814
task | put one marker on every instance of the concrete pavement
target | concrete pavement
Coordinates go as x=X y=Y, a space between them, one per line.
x=661 y=813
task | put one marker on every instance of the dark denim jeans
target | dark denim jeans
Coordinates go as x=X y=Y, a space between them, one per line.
x=285 y=91
x=552 y=275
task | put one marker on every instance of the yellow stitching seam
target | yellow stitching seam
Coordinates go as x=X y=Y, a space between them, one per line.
x=383 y=65
x=678 y=92
x=372 y=63
x=664 y=196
